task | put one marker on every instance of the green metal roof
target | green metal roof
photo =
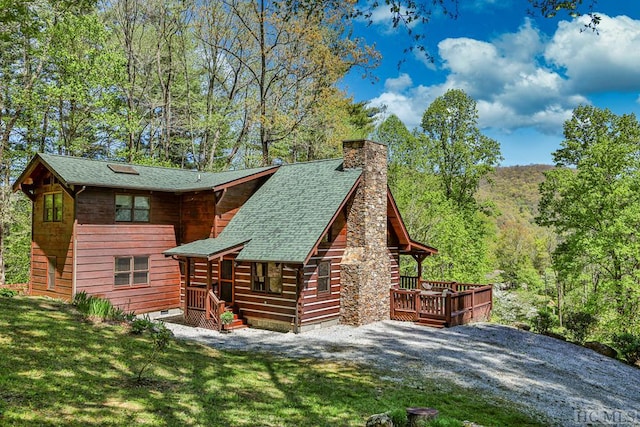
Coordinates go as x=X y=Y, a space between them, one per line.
x=80 y=171
x=286 y=217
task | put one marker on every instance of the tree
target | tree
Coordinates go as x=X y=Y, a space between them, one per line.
x=410 y=14
x=461 y=236
x=592 y=200
x=403 y=145
x=455 y=149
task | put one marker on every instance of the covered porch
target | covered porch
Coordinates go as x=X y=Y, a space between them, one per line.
x=208 y=281
x=437 y=303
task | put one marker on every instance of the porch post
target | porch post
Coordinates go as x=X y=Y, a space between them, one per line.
x=187 y=283
x=208 y=275
x=419 y=258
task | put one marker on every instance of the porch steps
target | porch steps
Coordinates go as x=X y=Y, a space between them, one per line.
x=434 y=323
x=238 y=323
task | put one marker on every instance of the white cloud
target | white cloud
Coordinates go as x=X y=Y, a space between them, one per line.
x=527 y=79
x=398 y=84
x=598 y=62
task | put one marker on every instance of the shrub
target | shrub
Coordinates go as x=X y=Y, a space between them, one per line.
x=544 y=321
x=8 y=293
x=226 y=317
x=580 y=324
x=138 y=326
x=628 y=346
x=160 y=337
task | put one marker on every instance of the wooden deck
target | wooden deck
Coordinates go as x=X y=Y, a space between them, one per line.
x=440 y=304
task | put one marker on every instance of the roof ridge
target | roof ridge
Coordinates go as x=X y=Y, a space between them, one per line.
x=64 y=156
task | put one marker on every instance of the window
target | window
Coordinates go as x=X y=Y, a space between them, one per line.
x=324 y=277
x=132 y=208
x=131 y=271
x=267 y=277
x=51 y=273
x=53 y=207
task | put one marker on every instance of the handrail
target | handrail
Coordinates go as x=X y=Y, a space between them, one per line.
x=470 y=303
x=214 y=308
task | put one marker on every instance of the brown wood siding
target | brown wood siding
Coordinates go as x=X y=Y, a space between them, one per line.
x=97 y=247
x=52 y=239
x=324 y=307
x=198 y=211
x=231 y=200
x=278 y=307
x=394 y=257
x=98 y=206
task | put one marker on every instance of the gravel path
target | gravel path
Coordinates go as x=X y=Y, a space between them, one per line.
x=567 y=384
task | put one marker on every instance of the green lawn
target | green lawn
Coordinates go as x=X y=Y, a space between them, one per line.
x=56 y=369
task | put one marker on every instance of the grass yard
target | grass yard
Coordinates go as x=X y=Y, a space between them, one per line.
x=56 y=369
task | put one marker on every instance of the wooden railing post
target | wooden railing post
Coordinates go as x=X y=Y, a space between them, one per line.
x=447 y=308
x=416 y=303
x=473 y=302
x=392 y=309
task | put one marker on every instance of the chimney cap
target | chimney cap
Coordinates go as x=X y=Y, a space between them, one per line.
x=346 y=141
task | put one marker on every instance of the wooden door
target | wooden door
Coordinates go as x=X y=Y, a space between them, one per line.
x=226 y=280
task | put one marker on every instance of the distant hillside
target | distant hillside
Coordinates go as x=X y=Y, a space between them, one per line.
x=514 y=191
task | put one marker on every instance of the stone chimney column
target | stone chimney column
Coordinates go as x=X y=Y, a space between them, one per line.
x=365 y=275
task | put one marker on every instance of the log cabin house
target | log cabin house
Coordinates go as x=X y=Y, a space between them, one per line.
x=286 y=247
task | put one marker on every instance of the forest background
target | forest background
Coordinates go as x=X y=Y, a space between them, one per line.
x=216 y=85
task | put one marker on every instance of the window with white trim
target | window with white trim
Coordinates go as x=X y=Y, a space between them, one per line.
x=131 y=271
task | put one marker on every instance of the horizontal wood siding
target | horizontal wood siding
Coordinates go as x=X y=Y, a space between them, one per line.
x=276 y=307
x=52 y=239
x=326 y=306
x=198 y=211
x=231 y=200
x=97 y=247
x=98 y=206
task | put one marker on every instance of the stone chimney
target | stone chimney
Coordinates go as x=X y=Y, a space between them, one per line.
x=365 y=275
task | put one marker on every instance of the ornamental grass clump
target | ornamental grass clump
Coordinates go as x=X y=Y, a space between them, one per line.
x=98 y=308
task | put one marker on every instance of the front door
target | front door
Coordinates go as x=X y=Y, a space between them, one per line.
x=226 y=280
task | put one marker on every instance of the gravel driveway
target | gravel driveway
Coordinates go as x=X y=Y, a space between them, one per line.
x=568 y=384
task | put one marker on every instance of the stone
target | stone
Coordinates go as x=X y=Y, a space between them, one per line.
x=418 y=416
x=523 y=326
x=365 y=271
x=601 y=348
x=379 y=420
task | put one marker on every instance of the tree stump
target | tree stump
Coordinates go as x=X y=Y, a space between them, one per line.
x=417 y=415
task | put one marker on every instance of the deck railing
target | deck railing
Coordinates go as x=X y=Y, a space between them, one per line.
x=463 y=303
x=214 y=308
x=196 y=298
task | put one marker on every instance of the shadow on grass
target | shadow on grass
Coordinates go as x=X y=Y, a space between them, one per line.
x=57 y=369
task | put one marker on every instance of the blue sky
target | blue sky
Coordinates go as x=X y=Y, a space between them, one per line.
x=527 y=73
